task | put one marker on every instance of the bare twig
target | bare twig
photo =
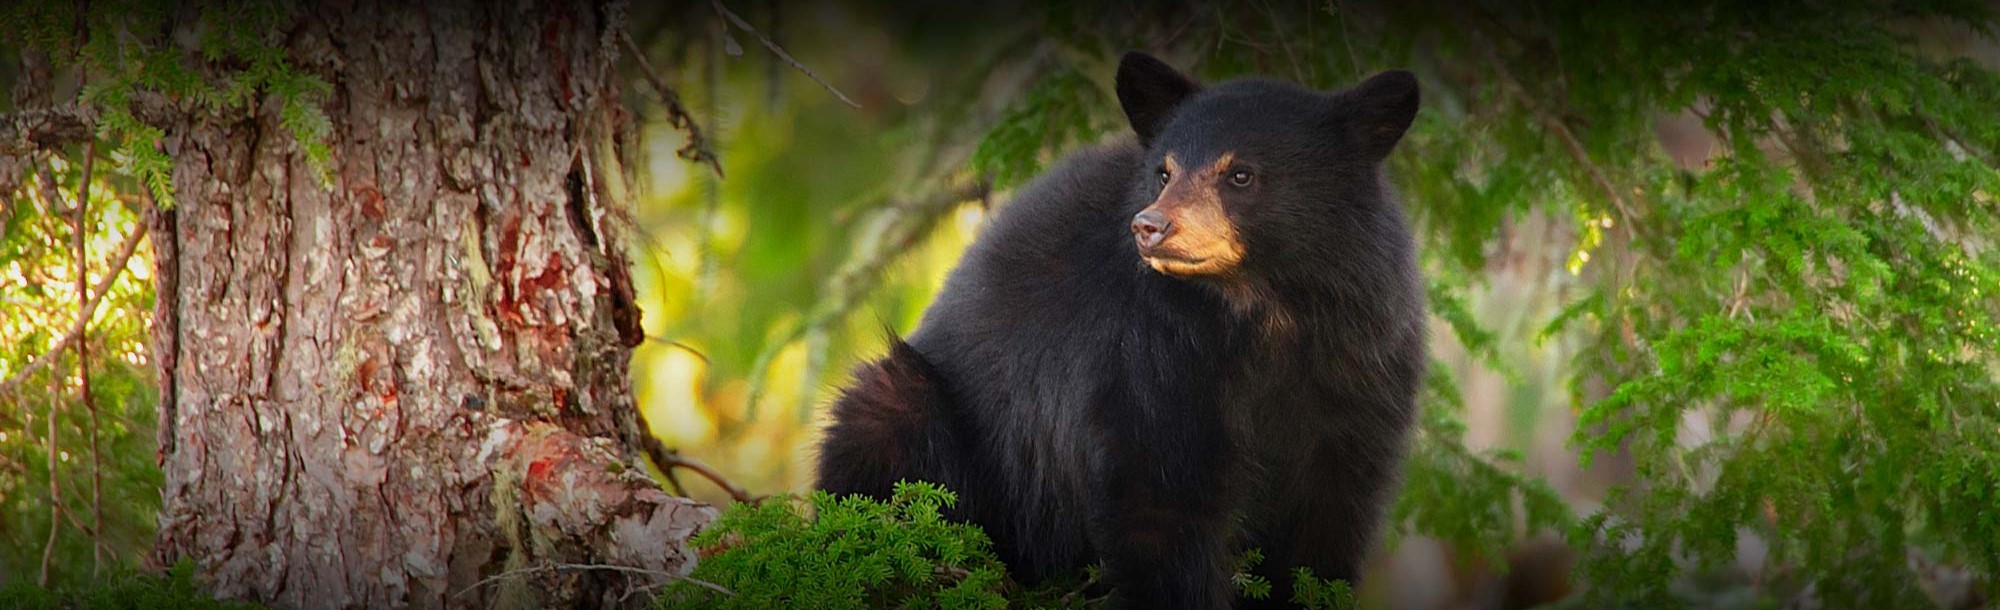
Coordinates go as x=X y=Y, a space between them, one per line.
x=557 y=567
x=683 y=345
x=52 y=193
x=707 y=472
x=697 y=148
x=674 y=480
x=1554 y=124
x=780 y=51
x=79 y=248
x=55 y=486
x=103 y=288
x=70 y=516
x=1570 y=143
x=668 y=459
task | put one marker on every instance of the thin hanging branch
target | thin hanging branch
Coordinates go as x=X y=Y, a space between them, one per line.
x=55 y=485
x=780 y=51
x=697 y=149
x=79 y=249
x=1568 y=139
x=103 y=288
x=85 y=305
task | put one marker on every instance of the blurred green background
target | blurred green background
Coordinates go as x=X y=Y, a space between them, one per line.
x=1712 y=284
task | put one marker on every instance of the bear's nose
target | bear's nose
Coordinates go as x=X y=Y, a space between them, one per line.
x=1151 y=228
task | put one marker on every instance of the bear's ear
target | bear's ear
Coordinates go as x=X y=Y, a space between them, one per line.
x=1379 y=110
x=1149 y=89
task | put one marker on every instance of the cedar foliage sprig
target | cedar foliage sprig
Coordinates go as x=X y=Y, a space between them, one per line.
x=124 y=47
x=823 y=551
x=828 y=552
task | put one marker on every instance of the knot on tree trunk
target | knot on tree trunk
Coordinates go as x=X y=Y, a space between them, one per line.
x=584 y=528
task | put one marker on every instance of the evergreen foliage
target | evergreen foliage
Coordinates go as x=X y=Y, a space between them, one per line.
x=1061 y=111
x=823 y=551
x=1794 y=339
x=828 y=552
x=120 y=50
x=1797 y=335
x=125 y=49
x=37 y=307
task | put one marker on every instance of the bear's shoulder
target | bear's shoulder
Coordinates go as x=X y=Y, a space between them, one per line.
x=1090 y=183
x=1058 y=253
x=1071 y=216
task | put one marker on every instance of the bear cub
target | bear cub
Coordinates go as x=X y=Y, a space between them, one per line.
x=1171 y=349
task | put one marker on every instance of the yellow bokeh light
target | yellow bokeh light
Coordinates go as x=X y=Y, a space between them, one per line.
x=674 y=410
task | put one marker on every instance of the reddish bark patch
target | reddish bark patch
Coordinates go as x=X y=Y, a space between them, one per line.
x=370 y=199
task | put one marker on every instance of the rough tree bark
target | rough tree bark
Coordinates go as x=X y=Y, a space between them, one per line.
x=408 y=387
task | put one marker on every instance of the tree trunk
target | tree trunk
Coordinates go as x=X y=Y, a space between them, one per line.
x=408 y=386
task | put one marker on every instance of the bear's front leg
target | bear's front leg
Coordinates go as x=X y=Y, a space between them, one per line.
x=1163 y=502
x=1163 y=547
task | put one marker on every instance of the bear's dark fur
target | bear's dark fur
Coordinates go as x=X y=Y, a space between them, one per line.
x=1164 y=352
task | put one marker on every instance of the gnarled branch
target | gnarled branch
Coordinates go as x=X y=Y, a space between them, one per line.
x=36 y=129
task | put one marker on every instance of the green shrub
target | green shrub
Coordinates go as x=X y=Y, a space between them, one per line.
x=828 y=552
x=854 y=552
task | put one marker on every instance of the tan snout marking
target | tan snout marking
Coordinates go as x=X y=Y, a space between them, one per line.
x=1204 y=242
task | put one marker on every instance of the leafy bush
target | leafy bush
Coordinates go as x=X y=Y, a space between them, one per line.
x=854 y=552
x=1308 y=590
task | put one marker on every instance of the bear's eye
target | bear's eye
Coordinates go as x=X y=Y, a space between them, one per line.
x=1239 y=178
x=1164 y=177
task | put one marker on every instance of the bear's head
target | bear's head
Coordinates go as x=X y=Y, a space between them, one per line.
x=1259 y=178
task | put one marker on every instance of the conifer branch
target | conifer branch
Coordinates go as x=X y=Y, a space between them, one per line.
x=36 y=129
x=1564 y=136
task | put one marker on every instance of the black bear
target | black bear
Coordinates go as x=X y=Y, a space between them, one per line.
x=1165 y=352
